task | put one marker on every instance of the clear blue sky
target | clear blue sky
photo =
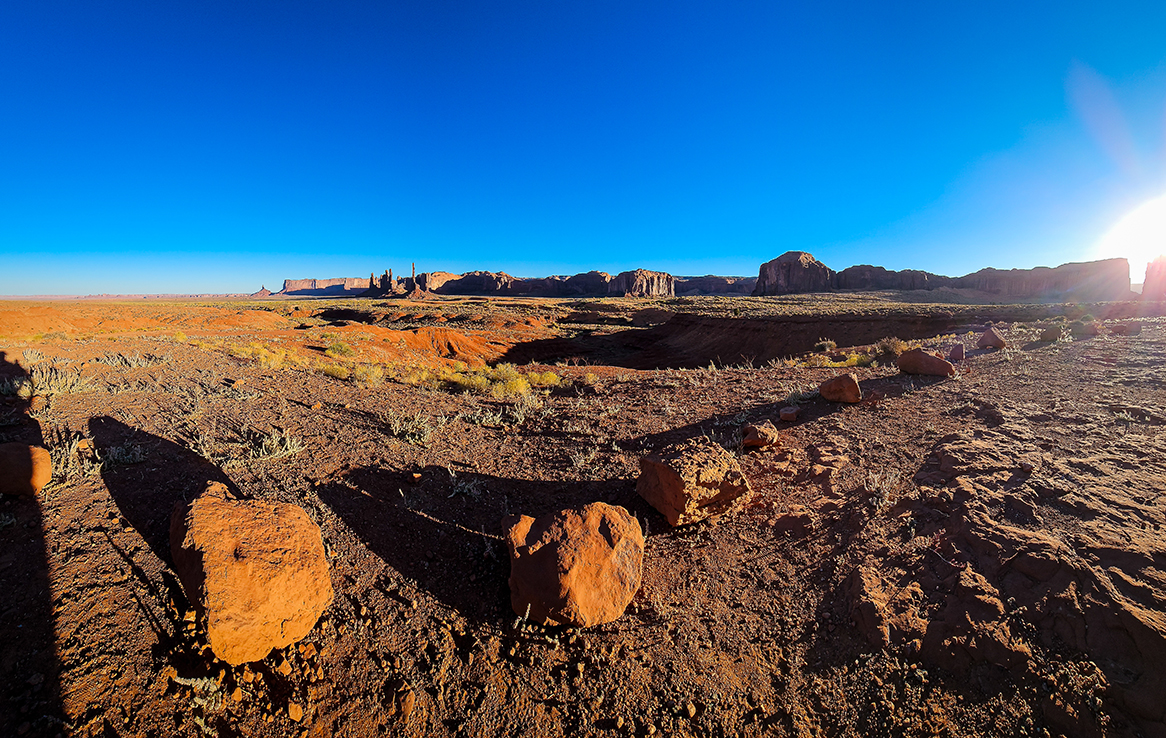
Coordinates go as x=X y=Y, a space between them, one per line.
x=208 y=147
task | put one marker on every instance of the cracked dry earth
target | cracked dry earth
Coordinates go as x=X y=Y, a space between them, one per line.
x=981 y=555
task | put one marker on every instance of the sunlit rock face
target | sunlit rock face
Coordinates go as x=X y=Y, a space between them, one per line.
x=1154 y=288
x=793 y=272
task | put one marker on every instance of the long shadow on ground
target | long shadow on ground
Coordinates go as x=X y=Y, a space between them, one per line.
x=445 y=532
x=30 y=693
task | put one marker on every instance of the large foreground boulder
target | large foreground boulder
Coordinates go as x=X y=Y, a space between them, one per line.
x=579 y=567
x=255 y=569
x=24 y=469
x=691 y=481
x=918 y=361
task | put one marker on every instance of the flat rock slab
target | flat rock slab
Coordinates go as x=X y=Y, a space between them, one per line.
x=24 y=469
x=691 y=481
x=579 y=566
x=255 y=569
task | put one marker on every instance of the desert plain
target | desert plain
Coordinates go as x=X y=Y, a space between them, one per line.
x=965 y=555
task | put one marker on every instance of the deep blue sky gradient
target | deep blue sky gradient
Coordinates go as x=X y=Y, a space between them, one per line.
x=213 y=147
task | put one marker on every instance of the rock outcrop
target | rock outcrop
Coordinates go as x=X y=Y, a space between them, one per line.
x=793 y=272
x=642 y=283
x=691 y=481
x=263 y=292
x=254 y=569
x=24 y=469
x=1154 y=286
x=577 y=567
x=339 y=286
x=1092 y=281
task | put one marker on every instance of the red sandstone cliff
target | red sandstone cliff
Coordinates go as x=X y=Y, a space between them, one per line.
x=793 y=272
x=1154 y=288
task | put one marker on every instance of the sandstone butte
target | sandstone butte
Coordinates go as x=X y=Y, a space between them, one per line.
x=24 y=469
x=918 y=361
x=691 y=481
x=255 y=569
x=579 y=566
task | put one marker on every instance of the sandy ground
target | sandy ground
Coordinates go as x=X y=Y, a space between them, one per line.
x=981 y=555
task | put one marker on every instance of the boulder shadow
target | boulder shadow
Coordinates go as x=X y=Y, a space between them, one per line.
x=445 y=532
x=146 y=475
x=30 y=686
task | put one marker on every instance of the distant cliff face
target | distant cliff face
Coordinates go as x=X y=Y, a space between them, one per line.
x=712 y=285
x=643 y=283
x=793 y=272
x=866 y=277
x=336 y=286
x=1091 y=281
x=1154 y=287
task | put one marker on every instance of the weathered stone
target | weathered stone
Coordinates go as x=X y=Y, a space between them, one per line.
x=691 y=481
x=758 y=435
x=578 y=567
x=991 y=339
x=788 y=414
x=918 y=361
x=255 y=569
x=793 y=272
x=1081 y=329
x=1052 y=333
x=956 y=353
x=24 y=469
x=842 y=388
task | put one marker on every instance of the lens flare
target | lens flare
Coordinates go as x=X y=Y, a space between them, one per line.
x=1139 y=236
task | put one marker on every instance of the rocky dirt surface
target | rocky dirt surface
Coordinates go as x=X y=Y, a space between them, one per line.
x=975 y=555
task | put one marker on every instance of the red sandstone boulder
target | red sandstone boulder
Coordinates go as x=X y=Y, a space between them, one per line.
x=255 y=569
x=956 y=353
x=841 y=389
x=788 y=414
x=576 y=567
x=991 y=339
x=691 y=481
x=24 y=469
x=759 y=435
x=918 y=361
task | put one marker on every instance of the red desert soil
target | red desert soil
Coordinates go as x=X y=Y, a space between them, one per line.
x=976 y=555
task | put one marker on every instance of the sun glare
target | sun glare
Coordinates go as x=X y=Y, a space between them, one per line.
x=1140 y=236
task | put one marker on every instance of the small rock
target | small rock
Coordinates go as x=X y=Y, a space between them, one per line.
x=284 y=668
x=295 y=712
x=956 y=353
x=237 y=695
x=39 y=403
x=843 y=388
x=1052 y=333
x=760 y=435
x=991 y=339
x=24 y=470
x=1026 y=467
x=318 y=406
x=1084 y=330
x=691 y=481
x=690 y=710
x=918 y=361
x=788 y=414
x=579 y=566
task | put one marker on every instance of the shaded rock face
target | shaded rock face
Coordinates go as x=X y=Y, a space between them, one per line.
x=712 y=285
x=643 y=283
x=1093 y=281
x=843 y=388
x=1154 y=286
x=336 y=286
x=255 y=569
x=577 y=567
x=470 y=283
x=24 y=469
x=918 y=361
x=691 y=481
x=793 y=272
x=866 y=277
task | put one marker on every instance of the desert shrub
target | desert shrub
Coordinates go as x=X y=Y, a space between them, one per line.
x=546 y=379
x=277 y=444
x=340 y=349
x=266 y=357
x=825 y=344
x=50 y=380
x=590 y=378
x=336 y=371
x=368 y=375
x=514 y=387
x=16 y=387
x=179 y=337
x=891 y=346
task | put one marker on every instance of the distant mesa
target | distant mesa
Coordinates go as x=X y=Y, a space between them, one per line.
x=796 y=272
x=338 y=287
x=635 y=283
x=1154 y=288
